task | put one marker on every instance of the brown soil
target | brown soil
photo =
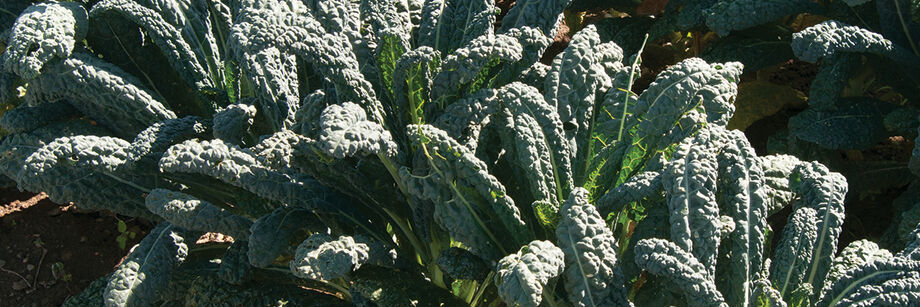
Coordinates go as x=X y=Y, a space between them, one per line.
x=37 y=234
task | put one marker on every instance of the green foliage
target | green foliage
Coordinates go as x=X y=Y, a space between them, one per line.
x=140 y=278
x=398 y=153
x=522 y=277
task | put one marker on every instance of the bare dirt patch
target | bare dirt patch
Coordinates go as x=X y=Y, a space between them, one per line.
x=49 y=252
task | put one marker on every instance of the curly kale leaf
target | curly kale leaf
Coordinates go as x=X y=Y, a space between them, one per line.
x=522 y=276
x=465 y=119
x=84 y=170
x=240 y=168
x=43 y=32
x=149 y=145
x=535 y=142
x=852 y=256
x=732 y=15
x=448 y=25
x=534 y=44
x=677 y=90
x=806 y=259
x=857 y=123
x=186 y=211
x=321 y=257
x=164 y=34
x=663 y=258
x=833 y=76
x=261 y=30
x=543 y=15
x=743 y=198
x=592 y=275
x=473 y=206
x=25 y=118
x=475 y=66
x=794 y=253
x=145 y=273
x=461 y=264
x=16 y=148
x=413 y=77
x=345 y=132
x=892 y=282
x=572 y=84
x=636 y=188
x=232 y=123
x=101 y=91
x=830 y=37
x=777 y=169
x=690 y=181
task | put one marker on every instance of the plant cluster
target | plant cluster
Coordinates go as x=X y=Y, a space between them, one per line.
x=410 y=153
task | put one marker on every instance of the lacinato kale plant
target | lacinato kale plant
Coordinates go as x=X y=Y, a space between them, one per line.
x=409 y=153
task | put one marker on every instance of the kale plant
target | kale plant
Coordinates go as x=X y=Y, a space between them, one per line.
x=395 y=153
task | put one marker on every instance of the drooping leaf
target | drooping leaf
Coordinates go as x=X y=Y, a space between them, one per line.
x=140 y=278
x=856 y=124
x=43 y=32
x=186 y=211
x=663 y=258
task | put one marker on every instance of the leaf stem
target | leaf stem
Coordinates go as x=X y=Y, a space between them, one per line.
x=632 y=74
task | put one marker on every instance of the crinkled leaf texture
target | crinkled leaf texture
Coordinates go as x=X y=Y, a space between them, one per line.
x=592 y=277
x=321 y=257
x=163 y=31
x=43 y=32
x=232 y=123
x=141 y=277
x=345 y=132
x=690 y=182
x=522 y=276
x=186 y=211
x=829 y=37
x=101 y=91
x=84 y=169
x=241 y=168
x=461 y=264
x=743 y=198
x=857 y=123
x=890 y=282
x=543 y=15
x=465 y=194
x=661 y=257
x=450 y=24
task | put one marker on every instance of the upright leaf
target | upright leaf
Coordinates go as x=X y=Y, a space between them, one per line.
x=592 y=275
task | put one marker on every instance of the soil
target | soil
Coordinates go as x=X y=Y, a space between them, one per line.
x=37 y=234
